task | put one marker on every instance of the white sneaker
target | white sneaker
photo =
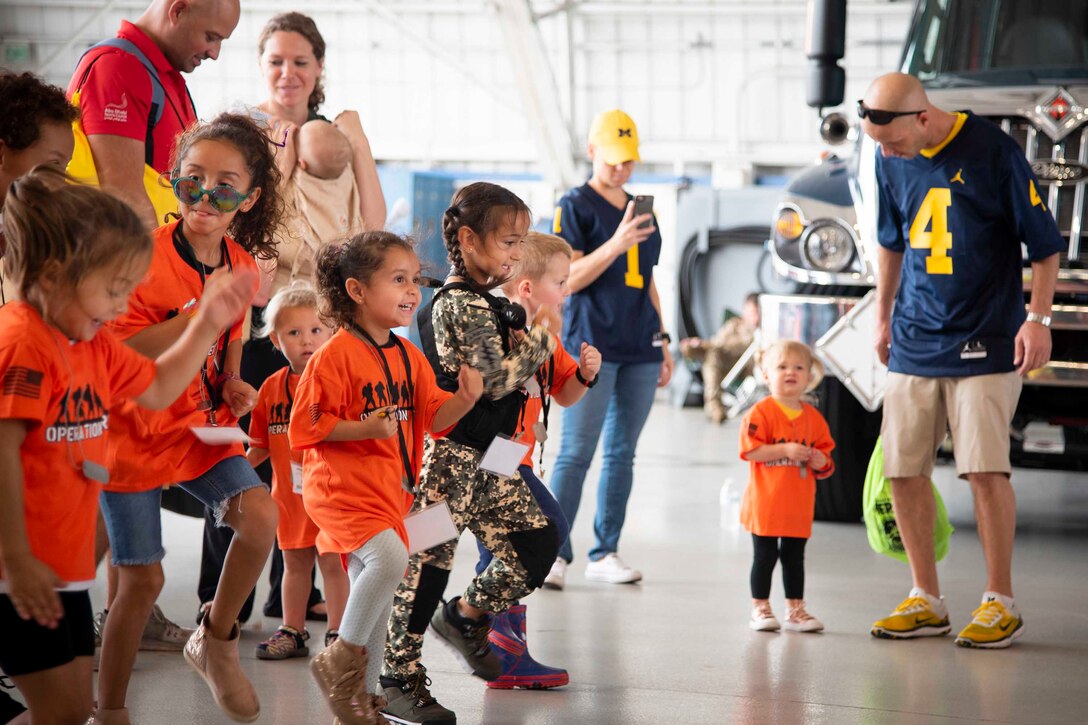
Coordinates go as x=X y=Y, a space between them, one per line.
x=763 y=619
x=799 y=620
x=611 y=569
x=557 y=577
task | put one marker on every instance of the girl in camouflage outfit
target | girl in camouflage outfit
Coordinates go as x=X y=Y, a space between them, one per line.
x=483 y=231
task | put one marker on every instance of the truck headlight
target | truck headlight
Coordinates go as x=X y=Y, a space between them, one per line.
x=827 y=247
x=788 y=226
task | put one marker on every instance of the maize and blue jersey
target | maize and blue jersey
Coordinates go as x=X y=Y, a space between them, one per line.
x=613 y=313
x=959 y=213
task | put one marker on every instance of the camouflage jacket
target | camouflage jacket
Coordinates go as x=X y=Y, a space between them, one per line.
x=466 y=331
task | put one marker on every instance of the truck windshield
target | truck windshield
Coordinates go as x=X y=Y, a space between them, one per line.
x=997 y=42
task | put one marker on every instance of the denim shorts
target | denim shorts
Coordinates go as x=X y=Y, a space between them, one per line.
x=134 y=521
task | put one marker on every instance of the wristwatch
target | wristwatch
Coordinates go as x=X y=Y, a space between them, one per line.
x=1043 y=320
x=583 y=381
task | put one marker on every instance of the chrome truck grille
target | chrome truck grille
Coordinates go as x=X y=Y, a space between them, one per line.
x=1062 y=169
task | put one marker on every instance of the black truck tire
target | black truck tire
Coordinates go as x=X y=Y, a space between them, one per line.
x=855 y=430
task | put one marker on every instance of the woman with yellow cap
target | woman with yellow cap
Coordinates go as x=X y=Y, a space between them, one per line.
x=614 y=306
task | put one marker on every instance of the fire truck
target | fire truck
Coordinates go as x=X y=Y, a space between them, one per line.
x=1022 y=64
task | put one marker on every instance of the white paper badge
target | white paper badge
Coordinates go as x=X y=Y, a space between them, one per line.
x=96 y=472
x=215 y=435
x=296 y=477
x=540 y=432
x=532 y=387
x=429 y=527
x=503 y=456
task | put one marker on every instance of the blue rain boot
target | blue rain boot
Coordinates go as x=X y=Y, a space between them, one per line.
x=519 y=669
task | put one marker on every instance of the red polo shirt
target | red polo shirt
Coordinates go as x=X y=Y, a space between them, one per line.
x=116 y=95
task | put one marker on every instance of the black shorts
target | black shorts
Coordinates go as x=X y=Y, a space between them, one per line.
x=28 y=647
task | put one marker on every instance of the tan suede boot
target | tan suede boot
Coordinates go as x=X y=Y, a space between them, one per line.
x=118 y=716
x=339 y=672
x=377 y=702
x=216 y=660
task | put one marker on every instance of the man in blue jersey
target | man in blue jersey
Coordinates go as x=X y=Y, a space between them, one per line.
x=956 y=200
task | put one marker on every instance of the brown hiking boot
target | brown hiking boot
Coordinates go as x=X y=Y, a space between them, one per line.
x=339 y=672
x=216 y=660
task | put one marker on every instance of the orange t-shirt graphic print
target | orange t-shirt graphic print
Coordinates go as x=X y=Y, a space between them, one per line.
x=354 y=490
x=778 y=501
x=63 y=391
x=268 y=426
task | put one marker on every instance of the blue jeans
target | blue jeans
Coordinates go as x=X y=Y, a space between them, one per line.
x=134 y=522
x=619 y=404
x=547 y=504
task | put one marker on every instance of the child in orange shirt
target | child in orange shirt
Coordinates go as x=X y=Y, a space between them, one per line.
x=361 y=409
x=294 y=327
x=541 y=280
x=226 y=180
x=788 y=446
x=75 y=254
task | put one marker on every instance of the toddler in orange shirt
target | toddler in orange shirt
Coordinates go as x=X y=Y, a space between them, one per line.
x=294 y=327
x=75 y=254
x=788 y=446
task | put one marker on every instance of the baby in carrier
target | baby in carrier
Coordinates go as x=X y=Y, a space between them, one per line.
x=323 y=200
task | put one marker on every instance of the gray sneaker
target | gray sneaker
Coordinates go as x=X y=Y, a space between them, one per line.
x=99 y=625
x=468 y=640
x=410 y=702
x=162 y=635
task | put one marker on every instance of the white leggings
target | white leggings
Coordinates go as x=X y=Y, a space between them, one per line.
x=375 y=570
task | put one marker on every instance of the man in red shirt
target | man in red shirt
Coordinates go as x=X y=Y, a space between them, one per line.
x=116 y=90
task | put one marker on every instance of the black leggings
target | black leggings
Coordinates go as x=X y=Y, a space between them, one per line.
x=767 y=551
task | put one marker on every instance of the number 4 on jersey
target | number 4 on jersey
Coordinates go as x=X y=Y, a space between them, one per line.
x=929 y=230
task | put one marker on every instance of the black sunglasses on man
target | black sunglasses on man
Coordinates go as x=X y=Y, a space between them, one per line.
x=882 y=118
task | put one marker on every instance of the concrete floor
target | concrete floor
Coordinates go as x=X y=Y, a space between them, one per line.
x=676 y=648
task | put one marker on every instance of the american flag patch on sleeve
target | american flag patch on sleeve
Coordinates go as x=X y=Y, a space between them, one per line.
x=22 y=381
x=752 y=428
x=315 y=413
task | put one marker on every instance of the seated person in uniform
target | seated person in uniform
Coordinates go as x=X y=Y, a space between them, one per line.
x=720 y=353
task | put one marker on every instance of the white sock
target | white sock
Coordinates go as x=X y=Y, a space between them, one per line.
x=936 y=602
x=1008 y=602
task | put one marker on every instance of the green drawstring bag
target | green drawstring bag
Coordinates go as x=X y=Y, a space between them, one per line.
x=879 y=517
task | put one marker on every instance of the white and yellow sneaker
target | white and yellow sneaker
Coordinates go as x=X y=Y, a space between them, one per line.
x=919 y=615
x=994 y=625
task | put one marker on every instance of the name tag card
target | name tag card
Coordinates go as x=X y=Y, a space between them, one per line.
x=503 y=456
x=429 y=527
x=296 y=477
x=215 y=435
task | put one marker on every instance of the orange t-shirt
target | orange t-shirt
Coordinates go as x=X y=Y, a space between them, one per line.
x=353 y=489
x=149 y=449
x=63 y=391
x=564 y=369
x=268 y=426
x=778 y=501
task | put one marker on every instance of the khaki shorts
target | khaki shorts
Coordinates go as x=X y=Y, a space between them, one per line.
x=977 y=409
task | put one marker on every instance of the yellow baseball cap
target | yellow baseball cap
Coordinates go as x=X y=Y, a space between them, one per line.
x=615 y=135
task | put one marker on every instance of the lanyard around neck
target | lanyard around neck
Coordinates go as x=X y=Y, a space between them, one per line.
x=188 y=255
x=406 y=459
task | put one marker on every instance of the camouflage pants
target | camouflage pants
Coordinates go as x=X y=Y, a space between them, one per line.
x=489 y=506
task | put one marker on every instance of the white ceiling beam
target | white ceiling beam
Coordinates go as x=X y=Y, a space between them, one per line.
x=539 y=92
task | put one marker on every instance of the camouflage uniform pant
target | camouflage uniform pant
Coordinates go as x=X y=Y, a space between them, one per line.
x=489 y=506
